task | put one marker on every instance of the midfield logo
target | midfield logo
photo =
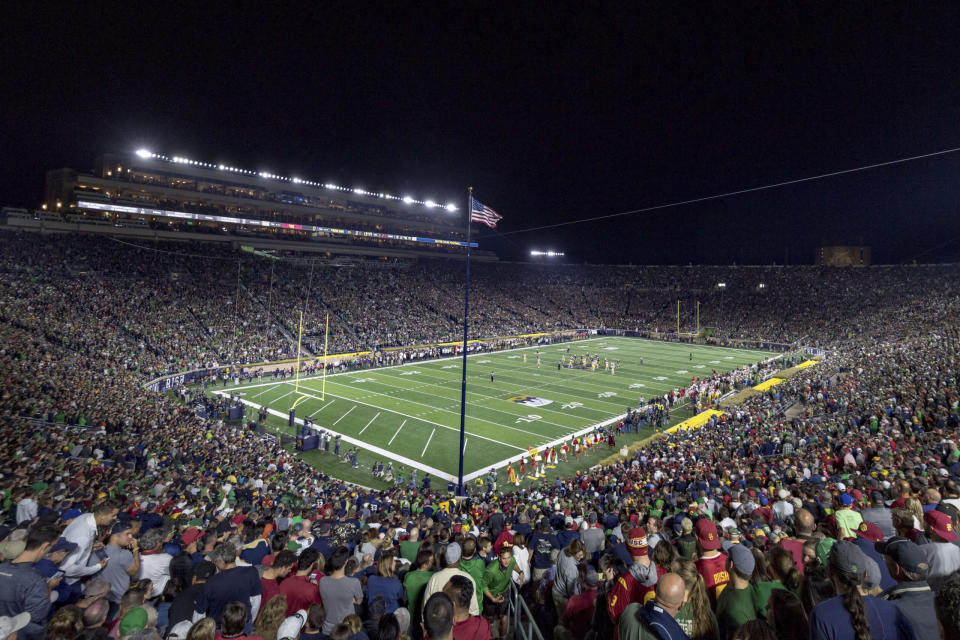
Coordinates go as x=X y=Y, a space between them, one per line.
x=530 y=401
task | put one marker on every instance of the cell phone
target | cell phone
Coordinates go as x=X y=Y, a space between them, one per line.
x=58 y=574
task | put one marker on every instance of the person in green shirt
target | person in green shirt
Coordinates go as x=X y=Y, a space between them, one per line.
x=410 y=546
x=695 y=617
x=473 y=565
x=496 y=582
x=416 y=580
x=737 y=603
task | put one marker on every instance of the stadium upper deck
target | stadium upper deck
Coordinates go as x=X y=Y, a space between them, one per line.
x=145 y=189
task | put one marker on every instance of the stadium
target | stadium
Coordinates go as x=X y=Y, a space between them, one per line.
x=264 y=404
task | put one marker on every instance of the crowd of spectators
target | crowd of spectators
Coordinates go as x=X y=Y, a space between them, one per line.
x=825 y=509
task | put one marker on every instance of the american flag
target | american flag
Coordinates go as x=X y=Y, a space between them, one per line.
x=480 y=212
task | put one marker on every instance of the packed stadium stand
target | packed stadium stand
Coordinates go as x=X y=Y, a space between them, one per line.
x=827 y=508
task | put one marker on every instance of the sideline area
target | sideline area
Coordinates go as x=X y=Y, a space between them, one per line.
x=702 y=418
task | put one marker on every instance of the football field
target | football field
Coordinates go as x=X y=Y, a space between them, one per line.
x=411 y=413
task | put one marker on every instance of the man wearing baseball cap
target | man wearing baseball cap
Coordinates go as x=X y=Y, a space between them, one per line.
x=10 y=625
x=853 y=612
x=942 y=555
x=636 y=584
x=124 y=555
x=22 y=588
x=847 y=519
x=911 y=592
x=738 y=603
x=868 y=534
x=451 y=558
x=712 y=564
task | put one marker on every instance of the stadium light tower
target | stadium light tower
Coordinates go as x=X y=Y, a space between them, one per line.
x=144 y=153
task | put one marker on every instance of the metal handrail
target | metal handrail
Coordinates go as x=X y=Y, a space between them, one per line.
x=519 y=619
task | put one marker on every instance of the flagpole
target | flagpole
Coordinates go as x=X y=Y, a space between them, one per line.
x=326 y=336
x=463 y=376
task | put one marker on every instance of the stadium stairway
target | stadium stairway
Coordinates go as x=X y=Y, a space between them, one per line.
x=279 y=324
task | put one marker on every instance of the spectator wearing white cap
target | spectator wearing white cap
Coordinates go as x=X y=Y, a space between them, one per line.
x=783 y=508
x=23 y=589
x=10 y=625
x=451 y=557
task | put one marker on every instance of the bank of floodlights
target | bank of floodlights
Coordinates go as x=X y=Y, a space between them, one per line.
x=430 y=204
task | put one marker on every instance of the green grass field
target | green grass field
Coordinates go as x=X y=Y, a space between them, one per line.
x=411 y=413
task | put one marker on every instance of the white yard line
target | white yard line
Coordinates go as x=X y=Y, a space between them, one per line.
x=369 y=423
x=498 y=397
x=458 y=358
x=456 y=413
x=465 y=441
x=428 y=443
x=344 y=415
x=397 y=433
x=364 y=445
x=282 y=397
x=406 y=415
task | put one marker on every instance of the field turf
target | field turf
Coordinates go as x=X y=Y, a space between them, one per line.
x=411 y=413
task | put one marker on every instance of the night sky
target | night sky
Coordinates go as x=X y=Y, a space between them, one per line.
x=553 y=112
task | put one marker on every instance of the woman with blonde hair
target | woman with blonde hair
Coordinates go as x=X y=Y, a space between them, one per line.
x=65 y=623
x=204 y=629
x=695 y=616
x=386 y=584
x=270 y=617
x=913 y=506
x=369 y=542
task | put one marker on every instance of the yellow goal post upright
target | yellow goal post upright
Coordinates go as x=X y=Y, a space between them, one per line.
x=326 y=335
x=688 y=334
x=300 y=397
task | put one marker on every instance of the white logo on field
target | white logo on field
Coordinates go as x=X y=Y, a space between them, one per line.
x=530 y=401
x=483 y=361
x=611 y=348
x=660 y=378
x=699 y=366
x=683 y=371
x=714 y=362
x=728 y=357
x=637 y=385
x=513 y=357
x=607 y=394
x=364 y=380
x=571 y=405
x=409 y=373
x=451 y=366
